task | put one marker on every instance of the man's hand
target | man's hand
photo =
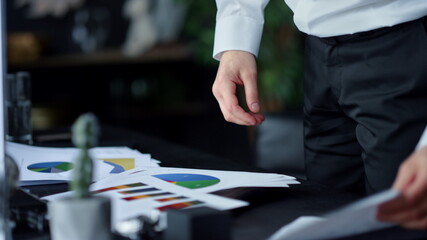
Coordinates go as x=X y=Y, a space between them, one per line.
x=410 y=209
x=238 y=68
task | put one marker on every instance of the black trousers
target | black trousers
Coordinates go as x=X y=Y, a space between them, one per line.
x=365 y=105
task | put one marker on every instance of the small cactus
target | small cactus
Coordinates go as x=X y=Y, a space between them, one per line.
x=85 y=133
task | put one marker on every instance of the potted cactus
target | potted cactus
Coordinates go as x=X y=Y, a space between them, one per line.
x=83 y=216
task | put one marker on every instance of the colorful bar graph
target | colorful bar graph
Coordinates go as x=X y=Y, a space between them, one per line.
x=170 y=199
x=146 y=196
x=139 y=190
x=132 y=185
x=182 y=205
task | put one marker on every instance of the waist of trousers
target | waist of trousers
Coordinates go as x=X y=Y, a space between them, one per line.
x=368 y=34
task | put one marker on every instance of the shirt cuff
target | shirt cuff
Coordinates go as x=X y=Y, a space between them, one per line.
x=237 y=33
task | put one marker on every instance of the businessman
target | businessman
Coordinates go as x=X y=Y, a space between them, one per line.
x=365 y=90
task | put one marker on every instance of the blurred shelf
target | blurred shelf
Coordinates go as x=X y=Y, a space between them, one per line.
x=160 y=53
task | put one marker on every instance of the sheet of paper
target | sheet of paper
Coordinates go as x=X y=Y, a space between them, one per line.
x=37 y=164
x=166 y=188
x=100 y=170
x=209 y=180
x=140 y=195
x=355 y=218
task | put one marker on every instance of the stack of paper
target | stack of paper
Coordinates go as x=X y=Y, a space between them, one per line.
x=43 y=165
x=135 y=182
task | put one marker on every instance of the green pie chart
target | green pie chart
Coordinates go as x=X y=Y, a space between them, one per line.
x=50 y=167
x=189 y=180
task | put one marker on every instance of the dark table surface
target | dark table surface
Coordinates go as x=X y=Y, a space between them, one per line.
x=270 y=208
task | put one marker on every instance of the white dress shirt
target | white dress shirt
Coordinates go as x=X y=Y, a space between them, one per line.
x=240 y=22
x=423 y=140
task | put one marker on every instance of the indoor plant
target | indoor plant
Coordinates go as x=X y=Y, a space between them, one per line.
x=82 y=217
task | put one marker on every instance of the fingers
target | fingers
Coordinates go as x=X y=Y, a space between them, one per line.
x=409 y=209
x=411 y=179
x=406 y=174
x=231 y=110
x=260 y=118
x=237 y=68
x=408 y=214
x=417 y=188
x=251 y=90
x=418 y=183
x=419 y=224
x=391 y=207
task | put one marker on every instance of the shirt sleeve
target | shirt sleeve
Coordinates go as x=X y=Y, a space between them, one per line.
x=239 y=25
x=423 y=140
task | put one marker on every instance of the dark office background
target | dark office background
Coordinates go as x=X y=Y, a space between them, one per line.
x=164 y=91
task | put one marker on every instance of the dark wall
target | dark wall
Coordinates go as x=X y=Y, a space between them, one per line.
x=167 y=98
x=57 y=31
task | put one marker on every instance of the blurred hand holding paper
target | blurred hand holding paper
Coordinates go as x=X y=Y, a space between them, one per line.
x=355 y=218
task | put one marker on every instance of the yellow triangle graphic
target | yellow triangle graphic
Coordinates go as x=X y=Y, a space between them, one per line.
x=126 y=163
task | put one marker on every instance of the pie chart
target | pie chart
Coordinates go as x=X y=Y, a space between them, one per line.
x=50 y=167
x=189 y=180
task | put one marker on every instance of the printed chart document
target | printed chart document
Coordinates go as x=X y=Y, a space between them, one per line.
x=137 y=195
x=209 y=180
x=356 y=218
x=140 y=191
x=44 y=165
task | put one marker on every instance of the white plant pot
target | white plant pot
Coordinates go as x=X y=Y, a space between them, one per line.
x=82 y=219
